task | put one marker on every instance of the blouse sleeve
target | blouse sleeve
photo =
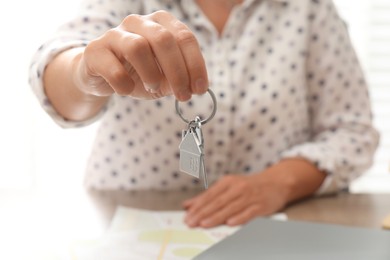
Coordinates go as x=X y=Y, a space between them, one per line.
x=343 y=137
x=93 y=19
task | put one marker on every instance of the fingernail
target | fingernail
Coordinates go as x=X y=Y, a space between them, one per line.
x=184 y=95
x=205 y=223
x=201 y=85
x=191 y=222
x=151 y=88
x=231 y=222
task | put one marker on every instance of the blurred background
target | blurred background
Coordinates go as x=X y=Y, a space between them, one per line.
x=37 y=154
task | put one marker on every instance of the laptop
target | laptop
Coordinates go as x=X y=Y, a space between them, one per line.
x=265 y=238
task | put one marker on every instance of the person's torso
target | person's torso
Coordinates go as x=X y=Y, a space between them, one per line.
x=256 y=69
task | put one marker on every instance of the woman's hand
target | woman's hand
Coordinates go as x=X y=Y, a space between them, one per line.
x=234 y=200
x=145 y=57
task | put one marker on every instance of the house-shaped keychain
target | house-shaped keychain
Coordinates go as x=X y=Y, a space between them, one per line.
x=191 y=154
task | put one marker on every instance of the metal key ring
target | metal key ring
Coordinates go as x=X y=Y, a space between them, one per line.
x=203 y=121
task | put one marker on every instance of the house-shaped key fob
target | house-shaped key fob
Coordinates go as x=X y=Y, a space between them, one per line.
x=190 y=154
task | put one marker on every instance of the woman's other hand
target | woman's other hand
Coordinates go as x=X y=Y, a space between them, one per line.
x=236 y=199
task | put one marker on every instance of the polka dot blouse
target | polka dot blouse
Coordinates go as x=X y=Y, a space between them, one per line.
x=287 y=81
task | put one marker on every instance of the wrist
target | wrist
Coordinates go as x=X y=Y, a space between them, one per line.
x=278 y=181
x=295 y=178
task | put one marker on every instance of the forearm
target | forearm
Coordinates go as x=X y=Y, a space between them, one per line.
x=68 y=100
x=297 y=178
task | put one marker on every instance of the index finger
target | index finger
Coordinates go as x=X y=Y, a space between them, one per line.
x=198 y=201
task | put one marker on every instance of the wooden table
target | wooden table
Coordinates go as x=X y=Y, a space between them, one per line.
x=363 y=210
x=34 y=226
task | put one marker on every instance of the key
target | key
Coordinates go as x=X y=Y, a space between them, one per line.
x=203 y=172
x=192 y=144
x=199 y=133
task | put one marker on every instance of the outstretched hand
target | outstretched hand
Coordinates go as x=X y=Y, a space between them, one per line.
x=146 y=56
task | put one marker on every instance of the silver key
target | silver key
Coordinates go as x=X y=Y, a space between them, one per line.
x=203 y=172
x=192 y=151
x=199 y=132
x=192 y=144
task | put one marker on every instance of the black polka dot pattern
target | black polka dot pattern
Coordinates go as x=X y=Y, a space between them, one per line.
x=287 y=81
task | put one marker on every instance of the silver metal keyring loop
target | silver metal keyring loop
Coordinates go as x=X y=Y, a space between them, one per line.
x=203 y=121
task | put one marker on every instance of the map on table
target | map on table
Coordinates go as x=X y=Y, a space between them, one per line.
x=143 y=234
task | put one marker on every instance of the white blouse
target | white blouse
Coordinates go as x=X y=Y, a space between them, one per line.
x=287 y=81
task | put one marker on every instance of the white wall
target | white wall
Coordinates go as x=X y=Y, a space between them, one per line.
x=30 y=144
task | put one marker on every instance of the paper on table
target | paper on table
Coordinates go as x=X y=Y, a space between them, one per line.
x=143 y=234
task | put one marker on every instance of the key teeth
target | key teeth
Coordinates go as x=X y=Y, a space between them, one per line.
x=204 y=174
